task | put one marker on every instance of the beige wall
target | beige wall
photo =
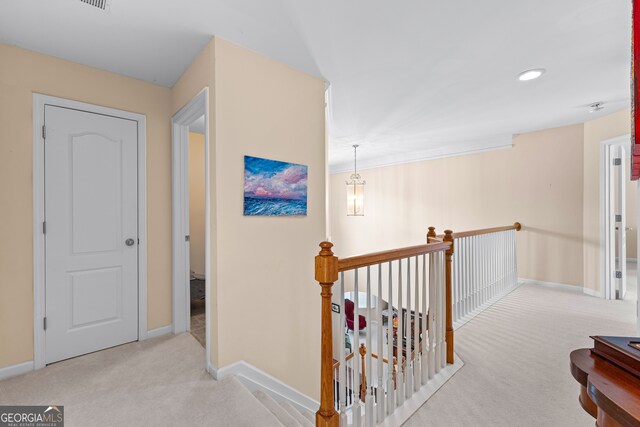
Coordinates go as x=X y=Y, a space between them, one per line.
x=196 y=203
x=22 y=73
x=538 y=183
x=596 y=131
x=269 y=304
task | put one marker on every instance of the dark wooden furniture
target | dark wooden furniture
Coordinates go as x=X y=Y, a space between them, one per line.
x=608 y=392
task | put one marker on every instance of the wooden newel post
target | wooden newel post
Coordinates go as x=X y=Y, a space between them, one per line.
x=326 y=275
x=448 y=237
x=431 y=234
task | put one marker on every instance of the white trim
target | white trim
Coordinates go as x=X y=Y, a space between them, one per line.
x=606 y=284
x=15 y=370
x=198 y=106
x=39 y=102
x=498 y=142
x=256 y=379
x=556 y=285
x=564 y=287
x=158 y=332
x=592 y=292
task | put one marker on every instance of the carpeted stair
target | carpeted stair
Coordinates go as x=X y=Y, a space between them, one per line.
x=285 y=413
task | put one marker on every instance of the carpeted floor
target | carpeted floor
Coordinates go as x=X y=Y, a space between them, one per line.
x=159 y=382
x=516 y=356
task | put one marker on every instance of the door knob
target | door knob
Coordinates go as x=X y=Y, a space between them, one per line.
x=129 y=242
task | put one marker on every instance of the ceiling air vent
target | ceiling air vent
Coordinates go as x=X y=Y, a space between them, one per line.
x=103 y=5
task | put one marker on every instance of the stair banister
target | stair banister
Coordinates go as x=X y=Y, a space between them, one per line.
x=448 y=237
x=326 y=273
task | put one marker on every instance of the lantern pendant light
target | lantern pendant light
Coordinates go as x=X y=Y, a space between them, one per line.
x=355 y=189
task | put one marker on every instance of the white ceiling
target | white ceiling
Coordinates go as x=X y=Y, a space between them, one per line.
x=409 y=80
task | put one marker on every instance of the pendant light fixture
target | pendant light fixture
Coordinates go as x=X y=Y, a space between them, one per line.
x=355 y=189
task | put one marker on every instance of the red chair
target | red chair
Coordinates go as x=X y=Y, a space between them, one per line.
x=349 y=307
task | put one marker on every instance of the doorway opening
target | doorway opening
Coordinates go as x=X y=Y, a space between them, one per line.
x=191 y=224
x=618 y=221
x=196 y=197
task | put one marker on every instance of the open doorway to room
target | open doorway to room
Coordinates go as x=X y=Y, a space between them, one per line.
x=191 y=225
x=197 y=230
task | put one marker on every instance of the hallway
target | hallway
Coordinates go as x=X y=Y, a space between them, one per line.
x=516 y=356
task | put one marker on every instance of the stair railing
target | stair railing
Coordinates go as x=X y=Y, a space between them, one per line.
x=484 y=268
x=417 y=343
x=450 y=279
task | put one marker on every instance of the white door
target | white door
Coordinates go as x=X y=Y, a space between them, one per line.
x=91 y=238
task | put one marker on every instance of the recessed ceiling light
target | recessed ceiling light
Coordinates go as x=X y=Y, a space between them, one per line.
x=596 y=106
x=530 y=74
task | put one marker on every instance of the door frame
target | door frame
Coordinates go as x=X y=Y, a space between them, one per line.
x=198 y=106
x=39 y=103
x=607 y=285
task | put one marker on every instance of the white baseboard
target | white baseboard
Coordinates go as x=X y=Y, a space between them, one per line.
x=256 y=379
x=592 y=292
x=15 y=370
x=564 y=286
x=158 y=332
x=556 y=285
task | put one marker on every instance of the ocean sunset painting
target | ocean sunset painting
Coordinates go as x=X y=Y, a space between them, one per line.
x=273 y=188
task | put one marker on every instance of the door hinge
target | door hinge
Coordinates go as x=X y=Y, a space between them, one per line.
x=44 y=323
x=617 y=161
x=44 y=227
x=618 y=218
x=187 y=238
x=618 y=274
x=44 y=132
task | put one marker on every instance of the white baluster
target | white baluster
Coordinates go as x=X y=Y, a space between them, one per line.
x=454 y=288
x=464 y=272
x=438 y=309
x=408 y=379
x=424 y=353
x=467 y=275
x=443 y=312
x=342 y=369
x=391 y=392
x=400 y=376
x=432 y=310
x=380 y=408
x=356 y=349
x=416 y=331
x=369 y=415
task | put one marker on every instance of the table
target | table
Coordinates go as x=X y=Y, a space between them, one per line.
x=607 y=392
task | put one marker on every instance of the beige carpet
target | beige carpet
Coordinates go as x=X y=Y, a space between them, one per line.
x=516 y=356
x=159 y=382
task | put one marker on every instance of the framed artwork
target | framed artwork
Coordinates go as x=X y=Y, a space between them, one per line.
x=274 y=188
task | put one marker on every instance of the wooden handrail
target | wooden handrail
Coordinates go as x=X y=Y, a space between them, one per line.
x=384 y=359
x=516 y=226
x=346 y=359
x=360 y=261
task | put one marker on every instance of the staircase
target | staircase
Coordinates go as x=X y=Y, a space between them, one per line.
x=287 y=415
x=257 y=408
